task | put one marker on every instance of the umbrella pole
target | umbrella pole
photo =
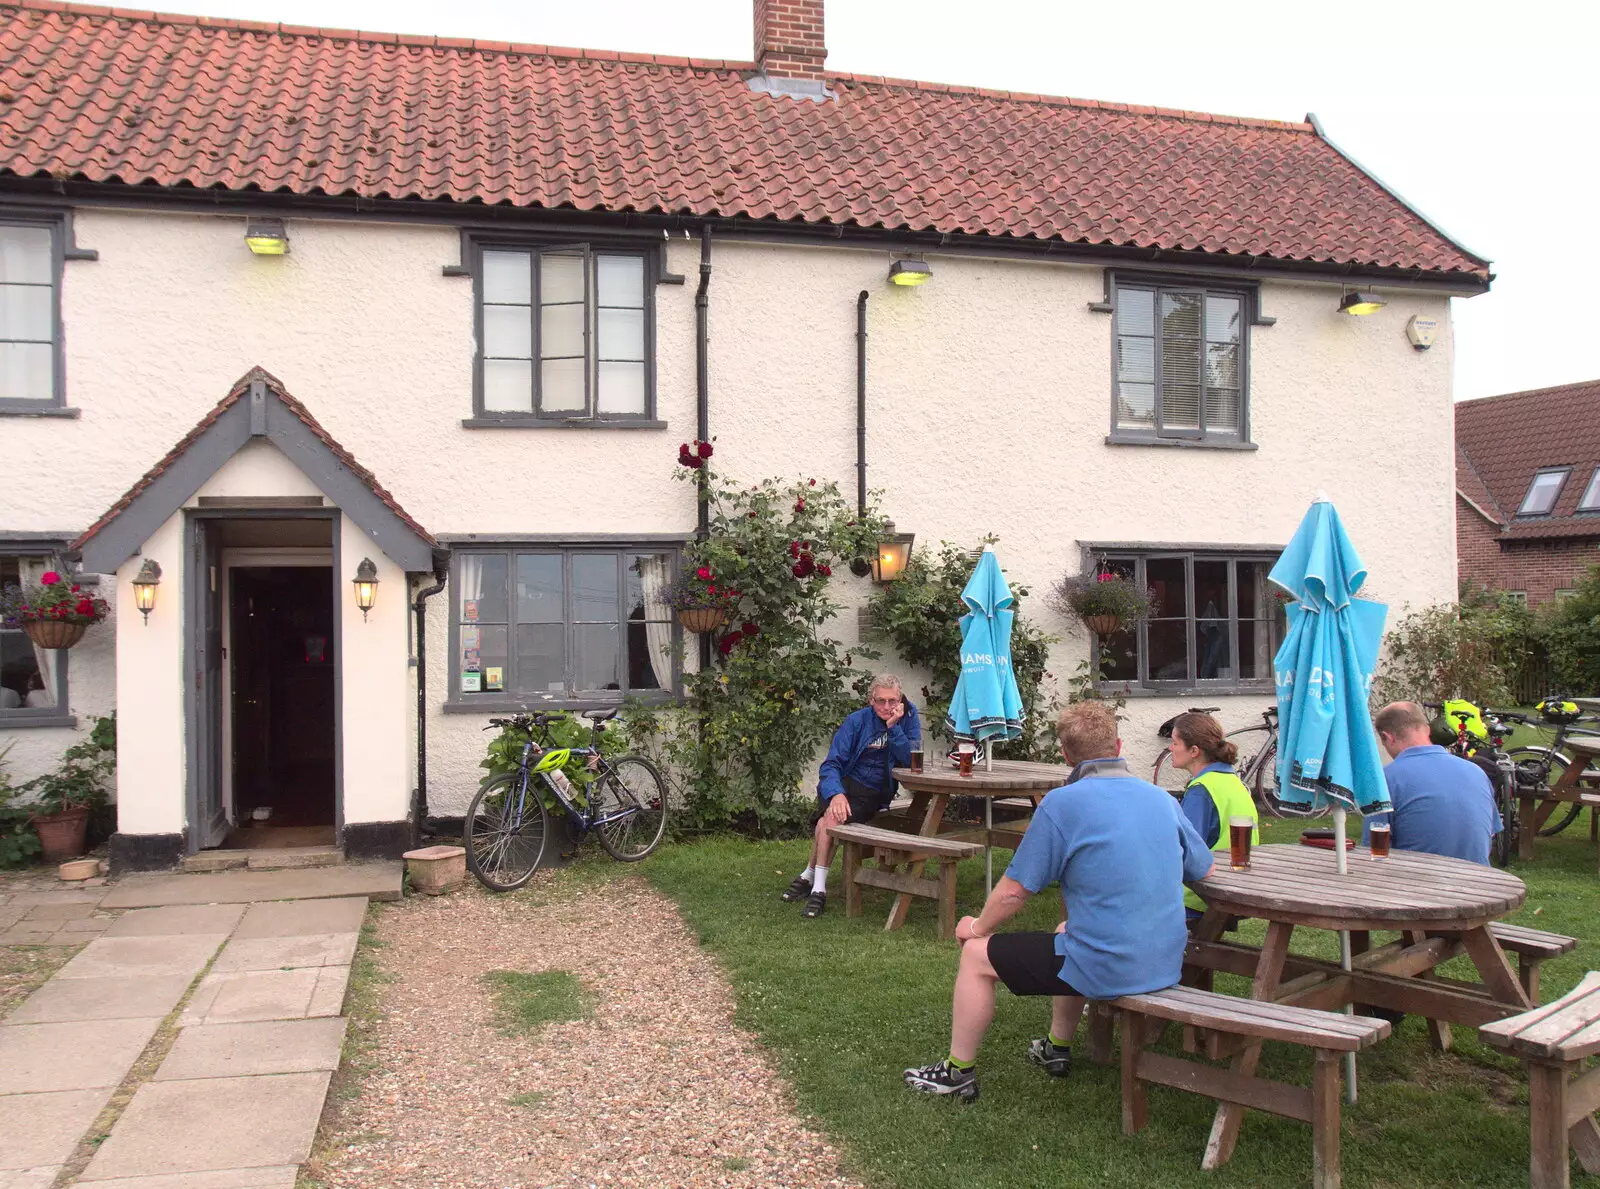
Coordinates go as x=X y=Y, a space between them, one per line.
x=1343 y=864
x=988 y=828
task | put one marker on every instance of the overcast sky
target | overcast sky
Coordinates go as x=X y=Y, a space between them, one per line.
x=1482 y=115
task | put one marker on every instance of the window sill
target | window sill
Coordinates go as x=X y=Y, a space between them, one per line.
x=550 y=423
x=20 y=722
x=1118 y=690
x=20 y=409
x=533 y=706
x=1115 y=439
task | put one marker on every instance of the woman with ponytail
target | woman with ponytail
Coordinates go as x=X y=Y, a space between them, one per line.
x=1214 y=793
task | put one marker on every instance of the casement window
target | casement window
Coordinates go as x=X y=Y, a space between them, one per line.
x=1215 y=623
x=33 y=680
x=1179 y=363
x=1591 y=495
x=543 y=624
x=565 y=335
x=1544 y=491
x=30 y=315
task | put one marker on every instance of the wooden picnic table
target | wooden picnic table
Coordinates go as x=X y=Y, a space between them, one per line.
x=1579 y=785
x=932 y=788
x=1441 y=907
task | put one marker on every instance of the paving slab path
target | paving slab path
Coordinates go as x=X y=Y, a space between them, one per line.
x=225 y=1093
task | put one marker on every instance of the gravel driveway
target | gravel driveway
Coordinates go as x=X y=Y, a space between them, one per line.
x=658 y=1089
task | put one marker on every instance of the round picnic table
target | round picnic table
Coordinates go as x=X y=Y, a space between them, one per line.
x=1441 y=907
x=932 y=788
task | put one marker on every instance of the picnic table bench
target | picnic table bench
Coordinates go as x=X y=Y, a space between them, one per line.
x=1579 y=785
x=1326 y=1033
x=1553 y=1042
x=1532 y=947
x=892 y=849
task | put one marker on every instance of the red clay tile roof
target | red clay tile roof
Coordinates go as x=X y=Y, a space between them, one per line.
x=234 y=396
x=113 y=95
x=1471 y=486
x=1506 y=440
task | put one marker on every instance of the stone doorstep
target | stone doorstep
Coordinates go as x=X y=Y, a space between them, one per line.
x=195 y=1126
x=216 y=860
x=294 y=858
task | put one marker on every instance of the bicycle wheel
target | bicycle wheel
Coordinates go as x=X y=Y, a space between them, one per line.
x=1504 y=844
x=634 y=789
x=1538 y=768
x=504 y=834
x=1168 y=775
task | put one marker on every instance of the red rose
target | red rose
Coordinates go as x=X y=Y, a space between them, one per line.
x=825 y=571
x=811 y=482
x=752 y=516
x=798 y=570
x=799 y=505
x=74 y=590
x=50 y=578
x=733 y=594
x=703 y=574
x=794 y=549
x=683 y=447
x=704 y=449
x=750 y=631
x=725 y=646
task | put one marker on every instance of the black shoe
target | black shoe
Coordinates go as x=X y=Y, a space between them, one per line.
x=943 y=1078
x=815 y=903
x=798 y=890
x=1055 y=1062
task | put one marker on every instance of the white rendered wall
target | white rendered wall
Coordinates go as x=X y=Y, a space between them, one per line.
x=378 y=693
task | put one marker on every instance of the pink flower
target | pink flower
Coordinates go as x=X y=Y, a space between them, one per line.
x=50 y=578
x=1105 y=578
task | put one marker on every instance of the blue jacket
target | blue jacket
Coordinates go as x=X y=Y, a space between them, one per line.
x=850 y=742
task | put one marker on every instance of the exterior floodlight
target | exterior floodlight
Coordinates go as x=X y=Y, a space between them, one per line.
x=267 y=237
x=1361 y=304
x=909 y=272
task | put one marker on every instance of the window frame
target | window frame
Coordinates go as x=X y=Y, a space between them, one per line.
x=592 y=247
x=1564 y=474
x=1589 y=501
x=1142 y=685
x=59 y=715
x=1249 y=297
x=495 y=701
x=56 y=225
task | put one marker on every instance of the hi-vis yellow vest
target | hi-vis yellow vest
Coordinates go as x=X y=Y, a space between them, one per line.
x=1231 y=799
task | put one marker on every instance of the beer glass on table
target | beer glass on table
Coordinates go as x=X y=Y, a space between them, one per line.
x=916 y=758
x=1379 y=838
x=964 y=758
x=1239 y=831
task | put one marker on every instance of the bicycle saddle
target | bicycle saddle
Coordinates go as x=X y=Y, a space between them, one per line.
x=600 y=715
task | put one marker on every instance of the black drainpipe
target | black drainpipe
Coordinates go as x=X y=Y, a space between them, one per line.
x=419 y=808
x=702 y=400
x=861 y=404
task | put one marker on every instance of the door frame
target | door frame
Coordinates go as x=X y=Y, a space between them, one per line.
x=253 y=557
x=198 y=700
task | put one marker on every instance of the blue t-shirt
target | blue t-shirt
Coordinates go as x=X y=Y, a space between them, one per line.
x=1443 y=805
x=1122 y=851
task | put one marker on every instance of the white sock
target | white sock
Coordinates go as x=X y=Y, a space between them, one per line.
x=819 y=880
x=806 y=874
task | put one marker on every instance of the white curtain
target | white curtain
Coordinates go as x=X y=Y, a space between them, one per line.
x=33 y=569
x=470 y=574
x=655 y=573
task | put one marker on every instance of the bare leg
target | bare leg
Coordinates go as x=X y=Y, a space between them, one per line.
x=974 y=1000
x=822 y=843
x=1065 y=1012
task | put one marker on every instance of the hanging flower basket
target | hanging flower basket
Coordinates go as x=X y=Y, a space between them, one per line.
x=702 y=619
x=1102 y=625
x=1104 y=600
x=54 y=633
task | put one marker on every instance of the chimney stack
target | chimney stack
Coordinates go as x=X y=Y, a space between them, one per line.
x=789 y=39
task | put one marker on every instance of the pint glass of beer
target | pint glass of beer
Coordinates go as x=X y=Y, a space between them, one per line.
x=1380 y=840
x=916 y=759
x=1239 y=831
x=964 y=758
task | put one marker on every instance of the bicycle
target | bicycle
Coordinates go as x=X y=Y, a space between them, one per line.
x=1488 y=753
x=1535 y=763
x=1257 y=766
x=507 y=825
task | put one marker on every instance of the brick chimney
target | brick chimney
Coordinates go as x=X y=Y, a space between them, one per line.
x=789 y=38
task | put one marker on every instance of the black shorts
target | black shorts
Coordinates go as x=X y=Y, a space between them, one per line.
x=865 y=802
x=1028 y=964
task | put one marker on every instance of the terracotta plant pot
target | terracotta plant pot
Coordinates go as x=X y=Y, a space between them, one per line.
x=703 y=619
x=61 y=834
x=54 y=633
x=1102 y=625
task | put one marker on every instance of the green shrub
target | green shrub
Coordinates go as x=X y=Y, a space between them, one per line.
x=1569 y=629
x=504 y=753
x=18 y=842
x=1472 y=649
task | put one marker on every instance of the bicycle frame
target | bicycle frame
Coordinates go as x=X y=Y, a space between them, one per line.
x=585 y=821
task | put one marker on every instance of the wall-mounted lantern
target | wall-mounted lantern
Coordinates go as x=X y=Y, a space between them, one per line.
x=909 y=272
x=144 y=588
x=894 y=551
x=267 y=237
x=1359 y=304
x=366 y=584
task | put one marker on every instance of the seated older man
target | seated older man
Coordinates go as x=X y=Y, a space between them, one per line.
x=1443 y=804
x=1122 y=850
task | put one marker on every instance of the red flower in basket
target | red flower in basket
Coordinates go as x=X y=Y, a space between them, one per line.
x=703 y=573
x=85 y=607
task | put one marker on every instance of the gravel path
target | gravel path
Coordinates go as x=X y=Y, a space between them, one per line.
x=658 y=1089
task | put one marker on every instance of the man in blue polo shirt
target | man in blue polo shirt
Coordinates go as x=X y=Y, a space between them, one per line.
x=1122 y=851
x=1443 y=804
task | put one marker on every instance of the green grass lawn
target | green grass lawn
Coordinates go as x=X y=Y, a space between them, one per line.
x=846 y=1006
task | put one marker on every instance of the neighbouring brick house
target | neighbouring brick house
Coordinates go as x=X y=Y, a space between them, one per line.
x=1528 y=489
x=283 y=305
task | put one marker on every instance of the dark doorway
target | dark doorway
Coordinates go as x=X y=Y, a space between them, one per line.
x=281 y=653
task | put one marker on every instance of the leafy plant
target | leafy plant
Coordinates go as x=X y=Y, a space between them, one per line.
x=753 y=722
x=1088 y=683
x=1471 y=649
x=83 y=778
x=54 y=598
x=920 y=616
x=1100 y=592
x=18 y=842
x=504 y=753
x=1570 y=632
x=697 y=590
